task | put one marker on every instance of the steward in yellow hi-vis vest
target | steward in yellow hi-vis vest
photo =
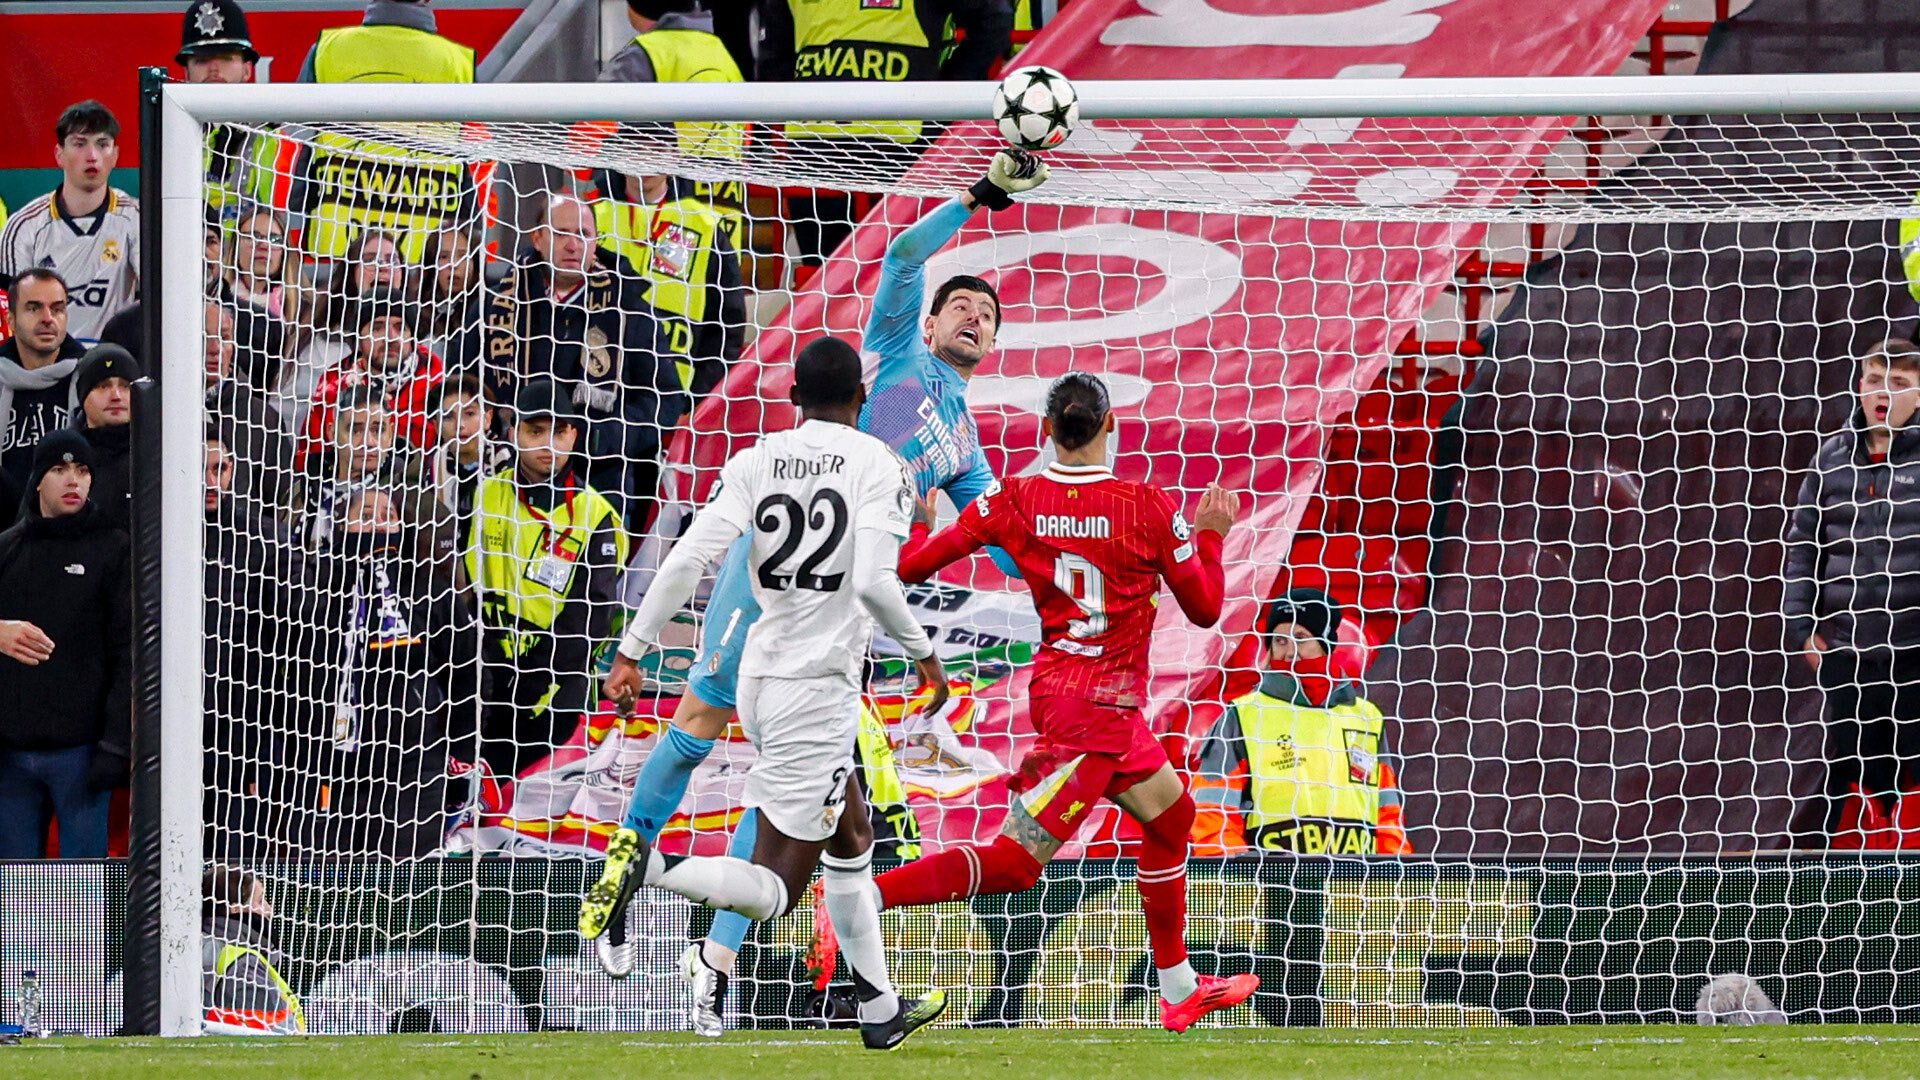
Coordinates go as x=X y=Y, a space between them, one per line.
x=397 y=41
x=545 y=553
x=1299 y=765
x=880 y=41
x=241 y=988
x=674 y=42
x=682 y=246
x=349 y=185
x=895 y=830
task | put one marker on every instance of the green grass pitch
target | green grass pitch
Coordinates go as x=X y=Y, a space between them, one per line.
x=1558 y=1053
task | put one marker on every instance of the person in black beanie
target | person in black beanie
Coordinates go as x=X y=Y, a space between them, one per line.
x=1303 y=763
x=1313 y=619
x=103 y=384
x=65 y=659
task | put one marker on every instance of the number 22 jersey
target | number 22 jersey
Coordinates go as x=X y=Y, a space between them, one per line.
x=801 y=496
x=1093 y=549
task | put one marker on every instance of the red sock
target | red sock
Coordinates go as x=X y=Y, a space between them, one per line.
x=1162 y=879
x=957 y=873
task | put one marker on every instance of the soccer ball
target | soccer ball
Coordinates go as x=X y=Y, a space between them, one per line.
x=1036 y=108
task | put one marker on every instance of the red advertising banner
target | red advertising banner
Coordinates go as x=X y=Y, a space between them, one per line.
x=59 y=53
x=1230 y=341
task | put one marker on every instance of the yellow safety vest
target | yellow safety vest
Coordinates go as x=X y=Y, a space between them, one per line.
x=231 y=954
x=389 y=54
x=372 y=185
x=1313 y=775
x=699 y=57
x=513 y=553
x=681 y=55
x=1910 y=251
x=867 y=41
x=672 y=246
x=885 y=792
x=246 y=177
x=365 y=185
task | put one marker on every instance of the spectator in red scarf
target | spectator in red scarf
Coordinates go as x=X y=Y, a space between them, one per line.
x=388 y=359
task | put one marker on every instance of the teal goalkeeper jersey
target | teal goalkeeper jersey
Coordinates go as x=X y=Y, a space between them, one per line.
x=918 y=402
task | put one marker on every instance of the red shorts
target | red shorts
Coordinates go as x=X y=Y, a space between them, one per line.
x=1058 y=783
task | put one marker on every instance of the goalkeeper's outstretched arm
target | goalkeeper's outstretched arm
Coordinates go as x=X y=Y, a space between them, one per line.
x=894 y=325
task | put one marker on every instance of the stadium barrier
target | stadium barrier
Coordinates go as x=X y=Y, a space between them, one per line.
x=488 y=944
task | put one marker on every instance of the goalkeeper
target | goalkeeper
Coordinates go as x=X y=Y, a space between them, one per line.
x=918 y=406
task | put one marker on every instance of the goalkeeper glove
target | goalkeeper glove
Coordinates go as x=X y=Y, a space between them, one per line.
x=1012 y=172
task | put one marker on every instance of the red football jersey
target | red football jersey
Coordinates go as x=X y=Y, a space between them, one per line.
x=1092 y=549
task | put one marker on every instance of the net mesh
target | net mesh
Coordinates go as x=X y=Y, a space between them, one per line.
x=1524 y=169
x=1552 y=511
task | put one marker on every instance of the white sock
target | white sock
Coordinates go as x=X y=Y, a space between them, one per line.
x=849 y=893
x=718 y=957
x=726 y=884
x=1179 y=983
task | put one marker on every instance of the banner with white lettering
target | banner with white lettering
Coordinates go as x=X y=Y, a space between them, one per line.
x=1229 y=342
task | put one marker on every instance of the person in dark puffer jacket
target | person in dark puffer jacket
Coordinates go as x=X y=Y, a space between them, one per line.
x=1853 y=587
x=65 y=659
x=103 y=386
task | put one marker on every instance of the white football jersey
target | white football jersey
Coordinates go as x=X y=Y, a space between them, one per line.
x=98 y=256
x=800 y=496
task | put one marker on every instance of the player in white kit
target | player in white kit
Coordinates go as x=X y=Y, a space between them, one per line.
x=827 y=507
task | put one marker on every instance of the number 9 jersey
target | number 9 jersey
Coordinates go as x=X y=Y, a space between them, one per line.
x=1092 y=549
x=801 y=497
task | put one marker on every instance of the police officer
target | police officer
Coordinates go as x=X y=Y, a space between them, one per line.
x=1300 y=764
x=872 y=41
x=215 y=47
x=214 y=44
x=685 y=249
x=544 y=552
x=348 y=185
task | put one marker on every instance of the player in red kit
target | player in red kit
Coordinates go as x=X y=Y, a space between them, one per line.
x=1093 y=549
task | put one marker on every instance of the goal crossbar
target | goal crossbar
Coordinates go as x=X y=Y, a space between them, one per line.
x=1177 y=99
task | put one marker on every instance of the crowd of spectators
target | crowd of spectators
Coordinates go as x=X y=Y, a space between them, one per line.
x=431 y=440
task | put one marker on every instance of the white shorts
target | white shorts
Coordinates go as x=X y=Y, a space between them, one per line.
x=803 y=730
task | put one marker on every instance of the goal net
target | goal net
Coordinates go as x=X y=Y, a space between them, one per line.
x=1529 y=398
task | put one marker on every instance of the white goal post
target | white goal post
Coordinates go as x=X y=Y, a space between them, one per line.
x=427 y=118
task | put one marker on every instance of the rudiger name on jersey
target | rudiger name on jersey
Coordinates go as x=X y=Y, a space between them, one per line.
x=794 y=468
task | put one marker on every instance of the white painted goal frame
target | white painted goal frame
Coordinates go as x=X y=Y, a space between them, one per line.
x=187 y=110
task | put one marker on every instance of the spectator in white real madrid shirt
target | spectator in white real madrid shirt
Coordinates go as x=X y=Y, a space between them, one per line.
x=85 y=230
